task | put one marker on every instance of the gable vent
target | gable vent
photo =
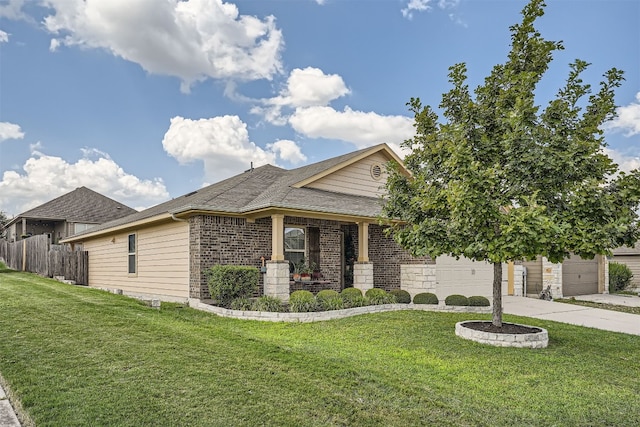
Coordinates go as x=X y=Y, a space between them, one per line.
x=376 y=171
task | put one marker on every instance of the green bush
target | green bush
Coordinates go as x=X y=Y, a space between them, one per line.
x=267 y=303
x=377 y=296
x=228 y=282
x=326 y=294
x=479 y=301
x=619 y=277
x=302 y=302
x=456 y=299
x=352 y=297
x=329 y=299
x=241 y=304
x=332 y=303
x=425 y=298
x=402 y=296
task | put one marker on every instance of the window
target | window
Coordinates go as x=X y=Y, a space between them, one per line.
x=132 y=254
x=294 y=244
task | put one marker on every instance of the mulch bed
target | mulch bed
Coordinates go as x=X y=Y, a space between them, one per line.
x=507 y=328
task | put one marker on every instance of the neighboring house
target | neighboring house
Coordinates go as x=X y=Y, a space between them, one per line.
x=326 y=213
x=66 y=215
x=631 y=258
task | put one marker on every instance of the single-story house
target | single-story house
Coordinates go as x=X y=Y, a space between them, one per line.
x=69 y=214
x=631 y=258
x=325 y=213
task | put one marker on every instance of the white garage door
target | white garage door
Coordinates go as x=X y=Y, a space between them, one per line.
x=579 y=276
x=465 y=277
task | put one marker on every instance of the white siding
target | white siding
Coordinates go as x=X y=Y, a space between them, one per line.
x=633 y=262
x=466 y=277
x=162 y=261
x=355 y=179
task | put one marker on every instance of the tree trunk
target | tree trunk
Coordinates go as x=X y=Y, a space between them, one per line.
x=497 y=294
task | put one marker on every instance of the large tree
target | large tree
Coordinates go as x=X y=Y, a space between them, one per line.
x=501 y=179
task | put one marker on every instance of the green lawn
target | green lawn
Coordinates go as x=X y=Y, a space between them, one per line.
x=81 y=357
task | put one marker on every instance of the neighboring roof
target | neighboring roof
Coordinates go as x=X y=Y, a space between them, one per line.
x=266 y=187
x=81 y=205
x=624 y=250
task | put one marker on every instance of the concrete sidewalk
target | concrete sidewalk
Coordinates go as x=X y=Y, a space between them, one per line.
x=573 y=314
x=8 y=417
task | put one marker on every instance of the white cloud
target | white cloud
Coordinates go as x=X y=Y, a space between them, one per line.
x=45 y=177
x=424 y=5
x=363 y=129
x=628 y=119
x=223 y=144
x=625 y=163
x=287 y=150
x=4 y=37
x=12 y=9
x=305 y=88
x=10 y=131
x=415 y=5
x=193 y=40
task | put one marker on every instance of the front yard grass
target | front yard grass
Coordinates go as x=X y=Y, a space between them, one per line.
x=82 y=357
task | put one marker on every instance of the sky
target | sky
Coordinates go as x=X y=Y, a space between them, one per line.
x=146 y=100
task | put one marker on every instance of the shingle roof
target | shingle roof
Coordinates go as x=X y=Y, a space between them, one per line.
x=265 y=187
x=624 y=250
x=80 y=205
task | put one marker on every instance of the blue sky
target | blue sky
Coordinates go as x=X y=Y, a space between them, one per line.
x=144 y=100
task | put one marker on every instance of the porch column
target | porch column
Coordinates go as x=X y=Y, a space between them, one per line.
x=552 y=276
x=24 y=228
x=277 y=237
x=276 y=279
x=363 y=269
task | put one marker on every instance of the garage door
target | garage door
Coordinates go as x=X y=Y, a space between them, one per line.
x=579 y=276
x=464 y=277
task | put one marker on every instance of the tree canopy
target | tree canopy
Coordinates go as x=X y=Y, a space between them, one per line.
x=502 y=179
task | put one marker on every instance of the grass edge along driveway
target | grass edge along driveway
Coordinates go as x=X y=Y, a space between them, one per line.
x=76 y=356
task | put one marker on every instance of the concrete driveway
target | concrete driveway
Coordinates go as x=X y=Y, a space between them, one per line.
x=577 y=315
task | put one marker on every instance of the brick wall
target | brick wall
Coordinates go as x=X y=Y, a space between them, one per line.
x=330 y=247
x=387 y=256
x=227 y=241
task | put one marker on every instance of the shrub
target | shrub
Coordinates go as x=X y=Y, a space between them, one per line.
x=425 y=298
x=326 y=294
x=302 y=302
x=228 y=282
x=479 y=301
x=619 y=276
x=332 y=303
x=267 y=303
x=329 y=300
x=352 y=297
x=377 y=296
x=241 y=304
x=456 y=299
x=402 y=296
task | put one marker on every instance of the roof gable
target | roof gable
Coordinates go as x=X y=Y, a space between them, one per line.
x=354 y=168
x=81 y=205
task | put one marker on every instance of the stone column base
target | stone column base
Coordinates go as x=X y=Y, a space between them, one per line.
x=276 y=280
x=363 y=276
x=418 y=278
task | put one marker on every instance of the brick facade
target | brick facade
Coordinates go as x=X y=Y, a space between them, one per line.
x=235 y=241
x=387 y=256
x=330 y=251
x=224 y=240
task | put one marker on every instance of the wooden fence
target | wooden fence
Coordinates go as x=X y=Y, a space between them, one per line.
x=36 y=255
